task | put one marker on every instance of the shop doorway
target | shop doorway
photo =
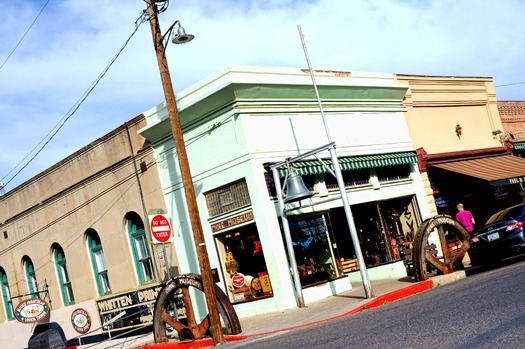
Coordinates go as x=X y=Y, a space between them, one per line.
x=384 y=228
x=242 y=258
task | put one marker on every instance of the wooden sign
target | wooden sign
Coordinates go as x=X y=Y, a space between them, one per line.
x=230 y=222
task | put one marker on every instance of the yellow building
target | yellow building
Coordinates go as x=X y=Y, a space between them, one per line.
x=455 y=127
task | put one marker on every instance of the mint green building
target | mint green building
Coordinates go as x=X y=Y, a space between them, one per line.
x=241 y=120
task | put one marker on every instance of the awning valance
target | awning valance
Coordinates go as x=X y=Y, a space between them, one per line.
x=497 y=170
x=309 y=167
x=519 y=145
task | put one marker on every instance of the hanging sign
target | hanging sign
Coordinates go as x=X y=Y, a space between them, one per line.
x=81 y=320
x=31 y=310
x=160 y=228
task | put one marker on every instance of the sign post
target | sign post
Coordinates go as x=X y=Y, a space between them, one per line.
x=160 y=228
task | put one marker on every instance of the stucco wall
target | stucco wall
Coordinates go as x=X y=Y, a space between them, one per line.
x=94 y=188
x=262 y=115
x=436 y=105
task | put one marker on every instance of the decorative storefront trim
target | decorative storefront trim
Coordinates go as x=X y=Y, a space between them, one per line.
x=313 y=167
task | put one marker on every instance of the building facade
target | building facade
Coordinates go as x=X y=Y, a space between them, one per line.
x=512 y=115
x=456 y=128
x=242 y=120
x=75 y=235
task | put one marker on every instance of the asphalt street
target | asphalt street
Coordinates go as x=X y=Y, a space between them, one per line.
x=484 y=310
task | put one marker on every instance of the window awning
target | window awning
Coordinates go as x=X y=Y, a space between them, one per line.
x=348 y=163
x=497 y=170
x=519 y=145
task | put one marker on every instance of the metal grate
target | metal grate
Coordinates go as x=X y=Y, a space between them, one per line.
x=227 y=198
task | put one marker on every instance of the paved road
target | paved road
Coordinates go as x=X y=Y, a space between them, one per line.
x=485 y=310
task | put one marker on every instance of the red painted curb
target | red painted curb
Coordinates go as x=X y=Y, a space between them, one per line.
x=394 y=296
x=376 y=302
x=200 y=343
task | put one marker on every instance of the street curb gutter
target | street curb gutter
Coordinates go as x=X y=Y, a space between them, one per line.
x=375 y=302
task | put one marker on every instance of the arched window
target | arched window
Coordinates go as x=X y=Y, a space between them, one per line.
x=32 y=284
x=98 y=262
x=139 y=246
x=6 y=295
x=63 y=275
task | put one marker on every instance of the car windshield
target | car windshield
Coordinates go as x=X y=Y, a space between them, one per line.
x=508 y=214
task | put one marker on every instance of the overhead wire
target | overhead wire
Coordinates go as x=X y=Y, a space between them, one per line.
x=23 y=36
x=74 y=108
x=511 y=84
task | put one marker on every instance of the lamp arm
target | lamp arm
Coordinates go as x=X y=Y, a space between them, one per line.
x=167 y=34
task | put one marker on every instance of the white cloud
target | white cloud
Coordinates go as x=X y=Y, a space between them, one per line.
x=73 y=41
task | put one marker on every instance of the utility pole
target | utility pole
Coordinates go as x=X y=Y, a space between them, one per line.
x=187 y=182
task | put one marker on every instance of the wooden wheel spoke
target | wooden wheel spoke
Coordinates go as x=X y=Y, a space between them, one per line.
x=460 y=253
x=452 y=244
x=178 y=326
x=436 y=262
x=200 y=330
x=188 y=306
x=175 y=298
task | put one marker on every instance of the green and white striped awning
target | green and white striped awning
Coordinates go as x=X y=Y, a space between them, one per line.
x=312 y=167
x=519 y=145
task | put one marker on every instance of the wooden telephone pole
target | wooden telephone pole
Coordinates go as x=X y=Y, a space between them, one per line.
x=187 y=182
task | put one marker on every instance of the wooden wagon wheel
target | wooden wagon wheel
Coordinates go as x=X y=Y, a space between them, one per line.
x=441 y=243
x=174 y=317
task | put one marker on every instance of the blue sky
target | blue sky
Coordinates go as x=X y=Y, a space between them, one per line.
x=72 y=41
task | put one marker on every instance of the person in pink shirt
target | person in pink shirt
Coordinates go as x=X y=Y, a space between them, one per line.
x=465 y=217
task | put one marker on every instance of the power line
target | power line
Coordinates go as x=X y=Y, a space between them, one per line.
x=75 y=107
x=23 y=36
x=514 y=83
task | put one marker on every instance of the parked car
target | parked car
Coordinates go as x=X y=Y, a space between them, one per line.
x=502 y=236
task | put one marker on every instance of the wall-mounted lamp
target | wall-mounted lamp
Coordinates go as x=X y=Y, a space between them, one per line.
x=459 y=130
x=496 y=132
x=180 y=37
x=208 y=285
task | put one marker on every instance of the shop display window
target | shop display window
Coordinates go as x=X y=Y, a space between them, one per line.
x=244 y=264
x=313 y=249
x=393 y=173
x=323 y=246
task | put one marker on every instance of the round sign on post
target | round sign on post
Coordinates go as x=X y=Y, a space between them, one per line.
x=160 y=228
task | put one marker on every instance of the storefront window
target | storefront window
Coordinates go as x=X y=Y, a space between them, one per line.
x=393 y=173
x=324 y=248
x=243 y=260
x=313 y=248
x=350 y=178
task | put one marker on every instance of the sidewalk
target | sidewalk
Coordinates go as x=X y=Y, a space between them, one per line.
x=344 y=304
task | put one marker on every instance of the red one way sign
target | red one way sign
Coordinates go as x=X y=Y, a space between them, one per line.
x=160 y=228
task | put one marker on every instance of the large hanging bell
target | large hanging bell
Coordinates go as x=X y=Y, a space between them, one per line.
x=296 y=189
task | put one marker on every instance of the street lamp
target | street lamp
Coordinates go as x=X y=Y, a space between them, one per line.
x=340 y=182
x=189 y=191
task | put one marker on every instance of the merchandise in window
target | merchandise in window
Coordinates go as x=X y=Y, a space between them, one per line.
x=313 y=249
x=243 y=258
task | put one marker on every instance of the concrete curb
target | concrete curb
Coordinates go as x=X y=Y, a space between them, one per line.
x=375 y=302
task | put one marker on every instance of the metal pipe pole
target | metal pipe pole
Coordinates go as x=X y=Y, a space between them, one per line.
x=340 y=183
x=288 y=238
x=187 y=182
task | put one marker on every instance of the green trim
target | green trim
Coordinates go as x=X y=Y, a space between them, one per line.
x=313 y=167
x=519 y=145
x=63 y=277
x=31 y=278
x=96 y=246
x=143 y=264
x=6 y=295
